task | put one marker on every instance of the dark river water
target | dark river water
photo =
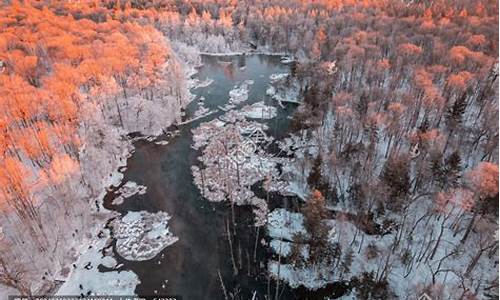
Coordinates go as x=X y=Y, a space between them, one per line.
x=191 y=266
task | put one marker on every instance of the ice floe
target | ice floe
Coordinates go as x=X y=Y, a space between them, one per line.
x=142 y=235
x=259 y=110
x=129 y=189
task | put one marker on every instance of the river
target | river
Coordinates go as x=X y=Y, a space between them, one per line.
x=191 y=266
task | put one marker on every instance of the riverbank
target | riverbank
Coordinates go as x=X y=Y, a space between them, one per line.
x=91 y=242
x=202 y=250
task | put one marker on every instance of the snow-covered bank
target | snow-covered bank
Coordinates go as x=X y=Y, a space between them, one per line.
x=283 y=226
x=86 y=279
x=142 y=235
x=148 y=115
x=284 y=88
x=420 y=248
x=72 y=200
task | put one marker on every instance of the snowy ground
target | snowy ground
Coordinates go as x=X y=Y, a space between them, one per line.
x=101 y=158
x=424 y=253
x=85 y=278
x=284 y=88
x=282 y=226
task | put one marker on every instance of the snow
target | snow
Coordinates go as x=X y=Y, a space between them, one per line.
x=271 y=91
x=233 y=158
x=206 y=114
x=278 y=77
x=287 y=60
x=129 y=189
x=283 y=90
x=227 y=107
x=282 y=224
x=312 y=278
x=86 y=279
x=288 y=95
x=411 y=263
x=203 y=84
x=259 y=110
x=142 y=235
x=162 y=143
x=206 y=131
x=202 y=110
x=281 y=247
x=239 y=94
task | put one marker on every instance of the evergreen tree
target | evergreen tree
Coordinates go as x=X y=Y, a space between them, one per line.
x=346 y=263
x=395 y=175
x=437 y=169
x=452 y=169
x=316 y=180
x=315 y=213
x=447 y=174
x=362 y=106
x=367 y=288
x=299 y=240
x=455 y=112
x=298 y=122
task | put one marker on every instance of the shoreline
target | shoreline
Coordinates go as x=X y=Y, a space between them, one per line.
x=116 y=178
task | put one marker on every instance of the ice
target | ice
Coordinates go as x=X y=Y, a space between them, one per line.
x=259 y=110
x=233 y=159
x=129 y=189
x=278 y=77
x=142 y=235
x=204 y=83
x=239 y=94
x=85 y=278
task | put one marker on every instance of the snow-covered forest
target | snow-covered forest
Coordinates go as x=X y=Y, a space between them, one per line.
x=391 y=154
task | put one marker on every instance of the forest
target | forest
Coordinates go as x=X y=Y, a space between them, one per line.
x=390 y=156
